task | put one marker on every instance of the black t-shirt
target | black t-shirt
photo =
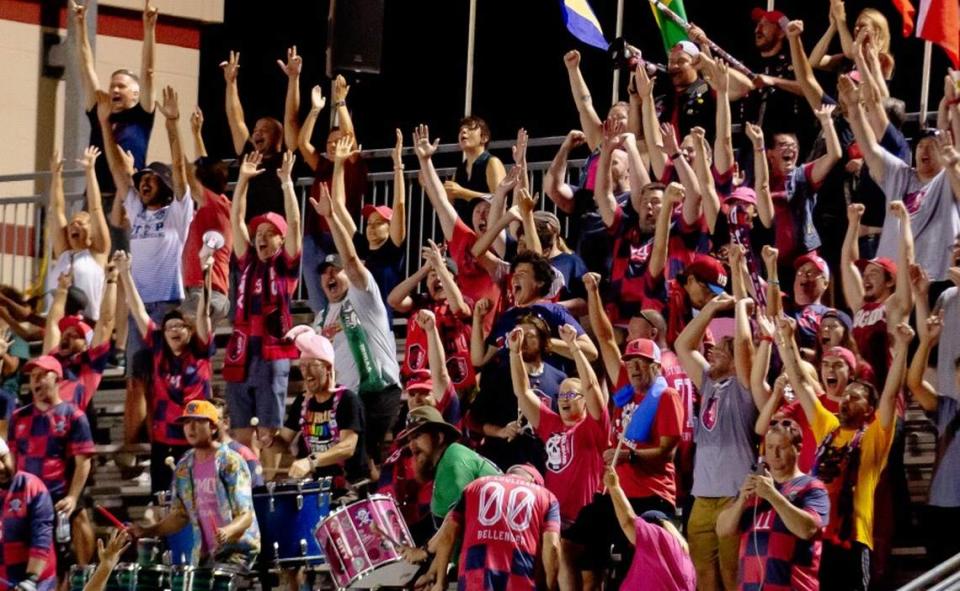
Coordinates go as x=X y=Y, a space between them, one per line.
x=318 y=426
x=695 y=106
x=131 y=130
x=774 y=109
x=384 y=263
x=264 y=193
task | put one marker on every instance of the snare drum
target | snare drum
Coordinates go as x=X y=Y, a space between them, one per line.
x=191 y=578
x=123 y=577
x=179 y=544
x=288 y=514
x=153 y=578
x=358 y=554
x=79 y=575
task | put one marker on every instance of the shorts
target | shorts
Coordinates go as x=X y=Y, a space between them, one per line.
x=219 y=305
x=597 y=528
x=262 y=395
x=381 y=410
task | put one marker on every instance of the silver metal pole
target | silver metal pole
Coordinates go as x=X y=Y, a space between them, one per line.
x=616 y=71
x=471 y=43
x=76 y=127
x=925 y=83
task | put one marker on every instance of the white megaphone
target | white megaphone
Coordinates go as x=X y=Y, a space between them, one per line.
x=212 y=242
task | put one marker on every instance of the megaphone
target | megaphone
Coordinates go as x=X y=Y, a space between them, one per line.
x=212 y=242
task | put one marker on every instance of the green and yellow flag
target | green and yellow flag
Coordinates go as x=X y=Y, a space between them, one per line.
x=671 y=32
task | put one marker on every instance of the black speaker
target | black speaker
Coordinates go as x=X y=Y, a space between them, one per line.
x=354 y=37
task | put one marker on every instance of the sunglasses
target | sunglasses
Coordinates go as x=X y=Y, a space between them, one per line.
x=569 y=395
x=785 y=423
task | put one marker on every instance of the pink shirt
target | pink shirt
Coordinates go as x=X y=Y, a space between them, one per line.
x=205 y=489
x=659 y=562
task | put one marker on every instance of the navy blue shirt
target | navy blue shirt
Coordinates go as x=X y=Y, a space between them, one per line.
x=131 y=131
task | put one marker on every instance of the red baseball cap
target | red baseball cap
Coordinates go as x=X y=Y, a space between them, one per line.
x=817 y=260
x=642 y=348
x=78 y=323
x=773 y=16
x=384 y=211
x=420 y=380
x=274 y=219
x=743 y=194
x=47 y=362
x=708 y=270
x=883 y=262
x=843 y=353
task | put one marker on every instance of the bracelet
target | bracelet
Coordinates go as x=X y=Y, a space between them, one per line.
x=111 y=280
x=774 y=282
x=675 y=156
x=341 y=103
x=398 y=168
x=766 y=339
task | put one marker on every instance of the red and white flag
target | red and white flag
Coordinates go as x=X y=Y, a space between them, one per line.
x=907 y=11
x=939 y=22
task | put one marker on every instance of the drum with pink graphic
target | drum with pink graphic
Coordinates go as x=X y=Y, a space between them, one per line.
x=361 y=542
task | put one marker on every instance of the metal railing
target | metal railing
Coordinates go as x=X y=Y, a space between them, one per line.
x=945 y=575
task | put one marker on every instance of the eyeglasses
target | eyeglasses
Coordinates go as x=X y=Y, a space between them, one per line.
x=810 y=274
x=785 y=423
x=569 y=395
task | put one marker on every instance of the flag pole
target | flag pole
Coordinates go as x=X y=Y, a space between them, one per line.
x=616 y=71
x=770 y=4
x=471 y=42
x=925 y=83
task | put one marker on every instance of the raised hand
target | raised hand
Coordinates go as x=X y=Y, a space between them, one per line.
x=643 y=80
x=786 y=327
x=322 y=204
x=612 y=129
x=575 y=138
x=426 y=320
x=170 y=104
x=515 y=340
x=110 y=554
x=104 y=106
x=824 y=113
x=855 y=212
x=397 y=153
x=520 y=148
x=122 y=261
x=317 y=100
x=344 y=149
x=838 y=11
x=526 y=202
x=949 y=85
x=898 y=209
x=673 y=196
x=483 y=307
x=196 y=119
x=79 y=13
x=421 y=142
x=286 y=167
x=231 y=67
x=948 y=152
x=150 y=14
x=794 y=29
x=510 y=180
x=765 y=324
x=128 y=162
x=294 y=63
x=903 y=333
x=755 y=134
x=569 y=334
x=670 y=145
x=723 y=301
x=65 y=279
x=56 y=162
x=89 y=160
x=250 y=167
x=592 y=282
x=433 y=255
x=610 y=478
x=920 y=281
x=934 y=326
x=849 y=91
x=340 y=90
x=571 y=59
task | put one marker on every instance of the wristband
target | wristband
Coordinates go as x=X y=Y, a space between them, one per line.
x=340 y=103
x=773 y=282
x=954 y=101
x=766 y=339
x=675 y=156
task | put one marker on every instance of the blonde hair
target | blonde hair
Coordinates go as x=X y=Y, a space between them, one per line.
x=882 y=40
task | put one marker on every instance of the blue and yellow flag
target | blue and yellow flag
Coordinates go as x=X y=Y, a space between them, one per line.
x=671 y=32
x=582 y=23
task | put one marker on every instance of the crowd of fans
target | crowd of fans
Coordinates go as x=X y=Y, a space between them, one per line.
x=690 y=377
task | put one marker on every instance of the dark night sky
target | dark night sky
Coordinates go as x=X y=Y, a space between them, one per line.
x=519 y=74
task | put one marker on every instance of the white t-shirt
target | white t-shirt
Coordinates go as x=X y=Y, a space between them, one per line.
x=372 y=314
x=934 y=216
x=87 y=276
x=157 y=237
x=948 y=348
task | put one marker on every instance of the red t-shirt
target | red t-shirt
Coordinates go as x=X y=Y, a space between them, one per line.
x=262 y=317
x=504 y=520
x=214 y=215
x=82 y=374
x=574 y=458
x=176 y=381
x=637 y=479
x=873 y=341
x=454 y=334
x=689 y=397
x=474 y=281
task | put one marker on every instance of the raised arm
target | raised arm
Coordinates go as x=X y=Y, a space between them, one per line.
x=901 y=302
x=480 y=353
x=819 y=54
x=239 y=132
x=866 y=140
x=602 y=327
x=761 y=174
x=148 y=56
x=346 y=149
x=87 y=65
x=925 y=394
x=852 y=280
x=873 y=86
x=590 y=122
x=450 y=287
x=170 y=108
x=673 y=196
x=436 y=358
x=621 y=505
x=527 y=399
x=340 y=91
x=651 y=127
x=196 y=130
x=398 y=223
x=555 y=179
x=709 y=199
x=135 y=304
x=108 y=308
x=291 y=105
x=99 y=230
x=56 y=209
x=51 y=334
x=951 y=162
x=238 y=207
x=399 y=298
x=639 y=176
x=839 y=17
x=307 y=150
x=594 y=395
x=671 y=148
x=603 y=190
x=825 y=163
x=887 y=407
x=432 y=184
x=812 y=91
x=352 y=265
x=687 y=345
x=804 y=388
x=770 y=257
x=723 y=143
x=204 y=322
x=772 y=406
x=109 y=557
x=120 y=162
x=293 y=241
x=743 y=353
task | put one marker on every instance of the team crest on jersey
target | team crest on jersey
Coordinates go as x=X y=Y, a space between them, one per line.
x=457 y=368
x=60 y=426
x=710 y=413
x=16 y=505
x=416 y=355
x=559 y=451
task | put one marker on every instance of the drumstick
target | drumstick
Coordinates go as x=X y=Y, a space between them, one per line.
x=254 y=421
x=103 y=511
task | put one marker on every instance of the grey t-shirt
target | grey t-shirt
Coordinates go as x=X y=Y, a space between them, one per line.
x=724 y=437
x=949 y=347
x=934 y=215
x=372 y=315
x=945 y=487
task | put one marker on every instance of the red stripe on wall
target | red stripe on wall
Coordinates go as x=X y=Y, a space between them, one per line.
x=113 y=22
x=17 y=239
